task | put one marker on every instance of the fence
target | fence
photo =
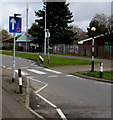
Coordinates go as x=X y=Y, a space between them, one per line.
x=85 y=50
x=99 y=51
x=65 y=49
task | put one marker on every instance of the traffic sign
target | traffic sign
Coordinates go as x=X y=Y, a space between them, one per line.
x=15 y=24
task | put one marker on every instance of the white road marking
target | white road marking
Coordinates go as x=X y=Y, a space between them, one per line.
x=47 y=101
x=23 y=73
x=78 y=77
x=52 y=76
x=31 y=77
x=37 y=71
x=50 y=103
x=24 y=67
x=70 y=75
x=61 y=114
x=49 y=70
x=41 y=89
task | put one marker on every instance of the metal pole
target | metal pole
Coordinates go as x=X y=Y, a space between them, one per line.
x=48 y=50
x=26 y=23
x=45 y=32
x=13 y=68
x=92 y=67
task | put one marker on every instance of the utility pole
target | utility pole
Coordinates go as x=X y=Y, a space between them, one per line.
x=14 y=27
x=13 y=68
x=26 y=24
x=45 y=31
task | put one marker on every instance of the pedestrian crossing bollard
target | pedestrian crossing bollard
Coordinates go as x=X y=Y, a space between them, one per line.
x=101 y=69
x=41 y=58
x=20 y=81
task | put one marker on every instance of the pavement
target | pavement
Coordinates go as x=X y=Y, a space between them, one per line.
x=13 y=103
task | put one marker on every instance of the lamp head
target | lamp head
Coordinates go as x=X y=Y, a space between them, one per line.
x=93 y=29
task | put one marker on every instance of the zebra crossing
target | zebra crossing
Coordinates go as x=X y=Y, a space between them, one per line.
x=39 y=71
x=44 y=71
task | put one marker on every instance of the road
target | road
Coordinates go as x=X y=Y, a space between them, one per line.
x=76 y=97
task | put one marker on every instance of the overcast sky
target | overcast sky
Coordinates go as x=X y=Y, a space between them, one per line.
x=83 y=12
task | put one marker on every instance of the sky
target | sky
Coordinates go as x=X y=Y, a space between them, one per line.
x=83 y=12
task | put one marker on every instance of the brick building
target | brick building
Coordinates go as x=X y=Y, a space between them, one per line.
x=103 y=46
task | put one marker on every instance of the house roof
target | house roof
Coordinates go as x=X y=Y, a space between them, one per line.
x=20 y=38
x=24 y=37
x=88 y=39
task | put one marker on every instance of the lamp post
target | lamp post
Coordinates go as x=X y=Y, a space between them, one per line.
x=45 y=31
x=93 y=29
x=26 y=24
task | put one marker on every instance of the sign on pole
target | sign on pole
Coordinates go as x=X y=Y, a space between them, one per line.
x=15 y=24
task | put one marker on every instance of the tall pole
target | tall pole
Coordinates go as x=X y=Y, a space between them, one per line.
x=48 y=35
x=45 y=32
x=26 y=24
x=93 y=29
x=92 y=68
x=13 y=68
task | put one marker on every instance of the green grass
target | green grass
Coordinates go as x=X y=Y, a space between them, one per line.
x=54 y=61
x=108 y=75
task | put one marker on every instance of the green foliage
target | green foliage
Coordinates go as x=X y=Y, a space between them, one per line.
x=54 y=61
x=4 y=35
x=37 y=32
x=106 y=74
x=58 y=18
x=100 y=22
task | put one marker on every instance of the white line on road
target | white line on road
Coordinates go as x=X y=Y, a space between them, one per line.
x=52 y=76
x=41 y=89
x=50 y=103
x=61 y=114
x=24 y=67
x=49 y=70
x=77 y=77
x=23 y=73
x=47 y=101
x=70 y=75
x=37 y=71
x=31 y=78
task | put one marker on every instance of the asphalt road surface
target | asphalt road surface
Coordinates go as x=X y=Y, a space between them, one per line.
x=76 y=97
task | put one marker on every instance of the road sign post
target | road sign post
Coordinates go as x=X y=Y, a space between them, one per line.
x=48 y=35
x=14 y=27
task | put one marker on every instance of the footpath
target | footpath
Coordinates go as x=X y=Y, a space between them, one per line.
x=13 y=103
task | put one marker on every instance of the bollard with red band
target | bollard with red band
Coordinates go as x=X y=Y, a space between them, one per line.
x=20 y=81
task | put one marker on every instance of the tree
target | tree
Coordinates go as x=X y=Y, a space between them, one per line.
x=37 y=33
x=80 y=34
x=101 y=23
x=58 y=18
x=4 y=35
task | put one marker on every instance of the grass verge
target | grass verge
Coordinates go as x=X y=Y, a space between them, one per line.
x=54 y=61
x=108 y=75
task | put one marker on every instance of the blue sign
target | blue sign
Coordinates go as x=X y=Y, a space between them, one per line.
x=15 y=24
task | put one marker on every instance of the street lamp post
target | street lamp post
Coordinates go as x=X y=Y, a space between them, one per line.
x=26 y=24
x=45 y=31
x=93 y=29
